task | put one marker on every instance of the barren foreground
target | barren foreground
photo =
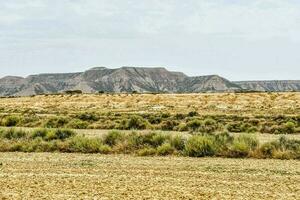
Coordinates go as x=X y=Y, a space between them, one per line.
x=81 y=176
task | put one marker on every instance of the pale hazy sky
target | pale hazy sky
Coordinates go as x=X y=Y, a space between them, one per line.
x=238 y=39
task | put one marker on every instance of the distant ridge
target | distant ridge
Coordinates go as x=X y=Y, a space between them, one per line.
x=130 y=79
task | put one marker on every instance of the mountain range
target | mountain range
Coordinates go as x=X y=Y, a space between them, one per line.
x=129 y=79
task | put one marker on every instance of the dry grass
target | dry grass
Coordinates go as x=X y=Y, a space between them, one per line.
x=77 y=176
x=241 y=104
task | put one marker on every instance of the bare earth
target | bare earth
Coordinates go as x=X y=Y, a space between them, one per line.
x=79 y=176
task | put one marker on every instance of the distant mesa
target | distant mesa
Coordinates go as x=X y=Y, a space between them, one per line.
x=133 y=80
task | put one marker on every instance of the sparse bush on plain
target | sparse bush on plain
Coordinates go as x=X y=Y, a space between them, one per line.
x=56 y=122
x=200 y=146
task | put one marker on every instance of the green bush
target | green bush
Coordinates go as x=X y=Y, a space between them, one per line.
x=56 y=122
x=60 y=134
x=148 y=139
x=87 y=116
x=194 y=125
x=242 y=145
x=168 y=125
x=177 y=142
x=208 y=126
x=13 y=134
x=289 y=127
x=165 y=149
x=146 y=151
x=200 y=146
x=136 y=122
x=87 y=145
x=223 y=142
x=112 y=138
x=154 y=119
x=77 y=124
x=42 y=133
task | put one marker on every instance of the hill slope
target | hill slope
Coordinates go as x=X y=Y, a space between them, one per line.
x=129 y=79
x=270 y=86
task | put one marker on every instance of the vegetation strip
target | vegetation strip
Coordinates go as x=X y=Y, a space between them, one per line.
x=148 y=144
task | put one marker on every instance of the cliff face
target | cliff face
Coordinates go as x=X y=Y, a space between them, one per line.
x=128 y=79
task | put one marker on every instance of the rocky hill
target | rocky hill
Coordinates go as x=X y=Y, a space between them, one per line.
x=129 y=79
x=270 y=86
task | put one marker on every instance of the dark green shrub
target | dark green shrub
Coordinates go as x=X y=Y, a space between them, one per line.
x=193 y=114
x=194 y=125
x=42 y=133
x=11 y=121
x=138 y=140
x=165 y=115
x=154 y=119
x=180 y=116
x=13 y=134
x=200 y=146
x=60 y=134
x=56 y=122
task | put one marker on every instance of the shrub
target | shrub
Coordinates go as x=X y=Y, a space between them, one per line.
x=60 y=134
x=39 y=133
x=12 y=134
x=177 y=142
x=146 y=151
x=223 y=142
x=87 y=145
x=77 y=124
x=168 y=125
x=154 y=119
x=236 y=127
x=136 y=122
x=268 y=149
x=87 y=116
x=194 y=125
x=242 y=145
x=182 y=127
x=208 y=126
x=112 y=138
x=199 y=146
x=56 y=122
x=165 y=149
x=193 y=114
x=289 y=127
x=11 y=121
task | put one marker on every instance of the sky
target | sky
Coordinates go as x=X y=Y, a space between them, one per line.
x=237 y=39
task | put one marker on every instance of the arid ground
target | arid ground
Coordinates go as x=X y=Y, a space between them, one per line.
x=87 y=176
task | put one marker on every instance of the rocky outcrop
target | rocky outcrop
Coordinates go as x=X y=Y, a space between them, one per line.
x=129 y=79
x=270 y=86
